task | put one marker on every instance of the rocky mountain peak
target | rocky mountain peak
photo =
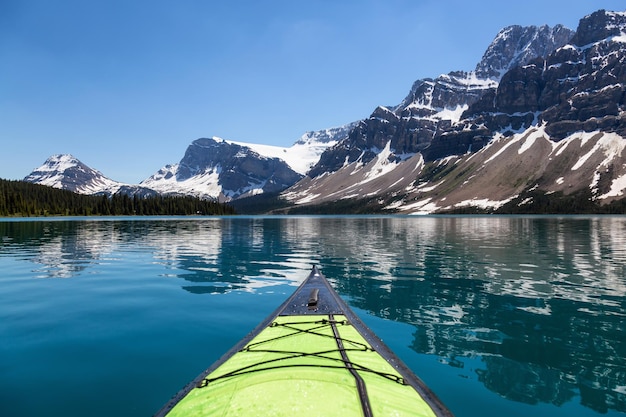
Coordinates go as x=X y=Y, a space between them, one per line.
x=60 y=162
x=433 y=105
x=517 y=45
x=64 y=171
x=572 y=89
x=217 y=168
x=325 y=136
x=598 y=26
x=206 y=153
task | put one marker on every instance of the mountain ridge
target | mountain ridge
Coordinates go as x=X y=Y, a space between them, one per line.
x=573 y=94
x=433 y=105
x=551 y=84
x=200 y=174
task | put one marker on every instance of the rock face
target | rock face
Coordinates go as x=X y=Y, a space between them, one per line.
x=516 y=45
x=585 y=82
x=213 y=167
x=434 y=105
x=239 y=167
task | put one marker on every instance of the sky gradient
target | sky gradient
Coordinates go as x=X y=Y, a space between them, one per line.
x=125 y=86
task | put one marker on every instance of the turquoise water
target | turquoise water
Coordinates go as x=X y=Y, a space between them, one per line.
x=498 y=315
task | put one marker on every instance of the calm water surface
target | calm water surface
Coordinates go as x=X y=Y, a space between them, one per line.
x=510 y=316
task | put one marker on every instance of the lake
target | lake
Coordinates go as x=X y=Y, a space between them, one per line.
x=510 y=316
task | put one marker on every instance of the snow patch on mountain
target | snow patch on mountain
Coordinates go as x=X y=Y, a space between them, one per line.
x=382 y=165
x=300 y=157
x=618 y=185
x=467 y=79
x=306 y=151
x=530 y=139
x=452 y=114
x=204 y=185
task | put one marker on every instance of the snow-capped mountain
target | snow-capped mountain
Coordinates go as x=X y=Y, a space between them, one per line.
x=66 y=172
x=227 y=170
x=553 y=126
x=215 y=168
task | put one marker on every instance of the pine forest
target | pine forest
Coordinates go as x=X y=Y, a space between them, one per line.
x=19 y=198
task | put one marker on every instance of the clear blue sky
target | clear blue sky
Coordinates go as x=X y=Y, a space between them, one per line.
x=126 y=86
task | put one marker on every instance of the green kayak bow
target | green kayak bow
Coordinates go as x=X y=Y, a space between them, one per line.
x=311 y=357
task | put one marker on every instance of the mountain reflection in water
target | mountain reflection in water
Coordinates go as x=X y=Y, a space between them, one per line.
x=539 y=301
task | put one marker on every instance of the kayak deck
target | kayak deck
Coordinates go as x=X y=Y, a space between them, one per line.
x=313 y=356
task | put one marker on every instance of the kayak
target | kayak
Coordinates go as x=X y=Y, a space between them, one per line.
x=312 y=357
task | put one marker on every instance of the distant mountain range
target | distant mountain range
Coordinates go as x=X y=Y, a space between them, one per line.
x=541 y=116
x=212 y=168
